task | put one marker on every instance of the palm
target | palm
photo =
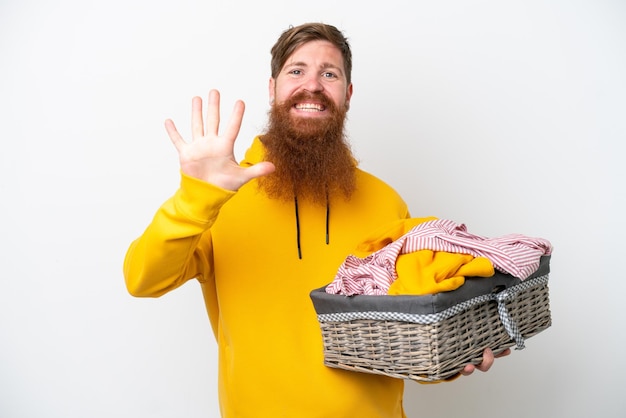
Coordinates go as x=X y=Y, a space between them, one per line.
x=209 y=156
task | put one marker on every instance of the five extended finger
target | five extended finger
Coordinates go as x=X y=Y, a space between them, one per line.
x=197 y=125
x=172 y=132
x=234 y=122
x=213 y=113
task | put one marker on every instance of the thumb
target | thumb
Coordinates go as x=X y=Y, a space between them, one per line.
x=260 y=169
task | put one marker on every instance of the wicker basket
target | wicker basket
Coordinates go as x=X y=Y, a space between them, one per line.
x=431 y=338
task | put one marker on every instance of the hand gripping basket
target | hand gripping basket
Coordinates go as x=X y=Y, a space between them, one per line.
x=432 y=337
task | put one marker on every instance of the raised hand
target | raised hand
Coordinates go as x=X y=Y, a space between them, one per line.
x=209 y=156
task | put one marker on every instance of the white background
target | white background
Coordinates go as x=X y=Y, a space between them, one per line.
x=508 y=116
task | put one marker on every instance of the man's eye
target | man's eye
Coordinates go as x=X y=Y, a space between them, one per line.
x=329 y=75
x=296 y=72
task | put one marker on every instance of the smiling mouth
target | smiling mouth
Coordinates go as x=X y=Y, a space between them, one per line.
x=310 y=107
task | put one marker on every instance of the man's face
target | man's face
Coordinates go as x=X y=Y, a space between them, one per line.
x=315 y=68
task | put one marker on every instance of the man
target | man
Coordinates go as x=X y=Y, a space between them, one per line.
x=260 y=235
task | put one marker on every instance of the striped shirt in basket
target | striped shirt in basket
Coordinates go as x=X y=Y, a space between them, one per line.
x=514 y=254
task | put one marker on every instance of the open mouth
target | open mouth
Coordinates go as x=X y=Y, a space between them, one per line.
x=310 y=107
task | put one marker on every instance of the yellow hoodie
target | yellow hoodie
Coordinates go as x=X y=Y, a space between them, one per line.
x=242 y=248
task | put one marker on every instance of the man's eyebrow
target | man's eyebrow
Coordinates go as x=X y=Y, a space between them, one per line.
x=295 y=64
x=325 y=65
x=328 y=65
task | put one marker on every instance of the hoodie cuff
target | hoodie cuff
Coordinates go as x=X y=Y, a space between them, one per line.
x=199 y=200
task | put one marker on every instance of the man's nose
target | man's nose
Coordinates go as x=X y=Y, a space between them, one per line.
x=313 y=83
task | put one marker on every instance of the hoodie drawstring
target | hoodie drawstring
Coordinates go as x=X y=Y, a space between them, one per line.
x=327 y=218
x=295 y=200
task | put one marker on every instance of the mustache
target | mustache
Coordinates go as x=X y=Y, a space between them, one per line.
x=307 y=95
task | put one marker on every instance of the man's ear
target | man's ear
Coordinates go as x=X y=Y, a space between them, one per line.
x=348 y=96
x=272 y=89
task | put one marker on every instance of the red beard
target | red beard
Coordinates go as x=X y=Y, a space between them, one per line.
x=312 y=157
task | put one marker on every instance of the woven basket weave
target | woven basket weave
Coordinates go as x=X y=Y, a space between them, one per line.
x=434 y=347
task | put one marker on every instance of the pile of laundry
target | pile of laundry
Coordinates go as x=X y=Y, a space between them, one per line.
x=420 y=256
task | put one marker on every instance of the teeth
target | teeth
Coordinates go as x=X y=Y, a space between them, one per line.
x=310 y=107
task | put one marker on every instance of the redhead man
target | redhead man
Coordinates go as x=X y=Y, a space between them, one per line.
x=259 y=235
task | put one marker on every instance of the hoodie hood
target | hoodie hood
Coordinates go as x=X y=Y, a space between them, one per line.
x=254 y=154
